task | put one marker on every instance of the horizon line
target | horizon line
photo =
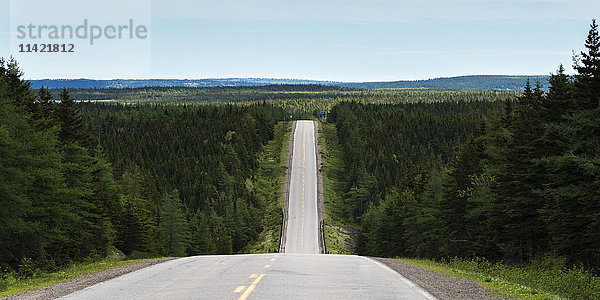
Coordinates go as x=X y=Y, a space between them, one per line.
x=296 y=79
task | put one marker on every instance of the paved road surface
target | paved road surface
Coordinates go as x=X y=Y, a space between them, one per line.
x=302 y=234
x=300 y=273
x=259 y=276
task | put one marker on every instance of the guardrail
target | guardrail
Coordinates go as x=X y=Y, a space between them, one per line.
x=323 y=236
x=281 y=242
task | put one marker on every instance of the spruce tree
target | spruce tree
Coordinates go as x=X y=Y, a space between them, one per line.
x=422 y=232
x=200 y=239
x=30 y=182
x=15 y=205
x=73 y=128
x=174 y=228
x=587 y=65
x=105 y=198
x=47 y=107
x=220 y=235
x=572 y=214
x=518 y=176
x=16 y=89
x=137 y=231
x=81 y=216
x=458 y=188
x=559 y=100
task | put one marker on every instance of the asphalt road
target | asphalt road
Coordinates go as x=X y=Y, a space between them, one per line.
x=302 y=233
x=259 y=276
x=300 y=273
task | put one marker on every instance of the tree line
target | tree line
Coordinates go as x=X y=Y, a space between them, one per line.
x=470 y=82
x=208 y=152
x=84 y=181
x=509 y=181
x=218 y=94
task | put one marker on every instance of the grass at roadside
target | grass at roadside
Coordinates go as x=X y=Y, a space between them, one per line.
x=544 y=278
x=339 y=236
x=11 y=283
x=269 y=184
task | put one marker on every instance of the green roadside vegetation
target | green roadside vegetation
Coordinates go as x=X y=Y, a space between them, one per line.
x=542 y=278
x=339 y=236
x=30 y=278
x=503 y=175
x=80 y=180
x=269 y=184
x=515 y=181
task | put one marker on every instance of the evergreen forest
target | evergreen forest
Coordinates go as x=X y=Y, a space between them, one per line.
x=163 y=171
x=507 y=181
x=83 y=181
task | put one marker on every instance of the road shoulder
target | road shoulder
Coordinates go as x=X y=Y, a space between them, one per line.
x=60 y=289
x=286 y=189
x=320 y=199
x=440 y=285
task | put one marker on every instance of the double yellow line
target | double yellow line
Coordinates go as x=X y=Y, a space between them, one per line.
x=251 y=287
x=248 y=290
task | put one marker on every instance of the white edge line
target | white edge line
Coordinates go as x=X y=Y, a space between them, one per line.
x=75 y=294
x=413 y=285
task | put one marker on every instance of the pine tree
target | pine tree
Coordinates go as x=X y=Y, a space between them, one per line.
x=572 y=213
x=381 y=233
x=174 y=227
x=81 y=216
x=15 y=89
x=518 y=176
x=15 y=205
x=458 y=188
x=587 y=65
x=220 y=235
x=47 y=107
x=151 y=192
x=105 y=198
x=30 y=182
x=573 y=210
x=72 y=126
x=422 y=232
x=136 y=234
x=137 y=231
x=201 y=241
x=559 y=100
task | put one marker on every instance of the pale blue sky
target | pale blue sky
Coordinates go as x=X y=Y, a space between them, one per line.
x=346 y=40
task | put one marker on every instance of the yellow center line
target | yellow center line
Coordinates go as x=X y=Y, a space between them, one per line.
x=273 y=259
x=267 y=266
x=239 y=289
x=251 y=288
x=252 y=276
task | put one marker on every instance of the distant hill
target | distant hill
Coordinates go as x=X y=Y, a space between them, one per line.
x=474 y=82
x=138 y=83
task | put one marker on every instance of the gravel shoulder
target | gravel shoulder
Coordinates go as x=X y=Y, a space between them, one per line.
x=438 y=284
x=78 y=283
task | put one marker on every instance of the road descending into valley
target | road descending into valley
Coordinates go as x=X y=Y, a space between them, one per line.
x=302 y=233
x=299 y=273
